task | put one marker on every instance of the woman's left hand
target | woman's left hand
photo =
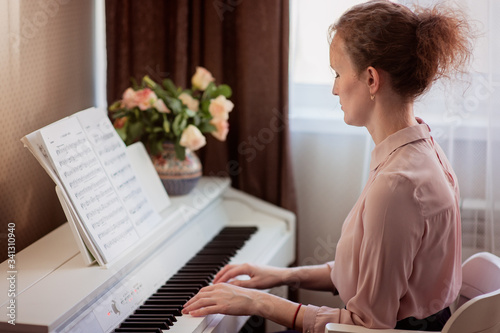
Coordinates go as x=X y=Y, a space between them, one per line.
x=223 y=298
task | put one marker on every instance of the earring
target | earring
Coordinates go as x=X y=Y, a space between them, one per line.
x=372 y=97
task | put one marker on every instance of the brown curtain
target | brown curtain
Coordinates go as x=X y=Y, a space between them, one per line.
x=245 y=45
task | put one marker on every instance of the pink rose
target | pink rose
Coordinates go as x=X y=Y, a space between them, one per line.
x=160 y=106
x=192 y=138
x=220 y=107
x=128 y=99
x=145 y=98
x=201 y=78
x=222 y=128
x=189 y=101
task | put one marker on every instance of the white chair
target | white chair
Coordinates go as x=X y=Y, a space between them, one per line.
x=478 y=305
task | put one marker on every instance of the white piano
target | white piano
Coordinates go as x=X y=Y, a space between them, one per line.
x=57 y=292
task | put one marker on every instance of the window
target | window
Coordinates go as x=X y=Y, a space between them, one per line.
x=312 y=105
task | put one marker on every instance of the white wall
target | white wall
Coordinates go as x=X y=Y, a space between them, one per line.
x=46 y=61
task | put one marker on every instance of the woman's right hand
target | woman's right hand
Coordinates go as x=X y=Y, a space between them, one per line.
x=261 y=277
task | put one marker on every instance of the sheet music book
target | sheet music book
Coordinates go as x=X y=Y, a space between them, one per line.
x=102 y=197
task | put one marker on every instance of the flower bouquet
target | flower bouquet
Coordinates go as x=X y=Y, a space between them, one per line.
x=155 y=114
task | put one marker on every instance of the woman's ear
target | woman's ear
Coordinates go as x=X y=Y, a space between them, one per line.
x=373 y=79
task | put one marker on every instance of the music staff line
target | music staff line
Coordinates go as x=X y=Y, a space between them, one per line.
x=91 y=187
x=102 y=207
x=80 y=167
x=113 y=227
x=72 y=145
x=85 y=177
x=120 y=237
x=96 y=198
x=70 y=159
x=109 y=148
x=106 y=218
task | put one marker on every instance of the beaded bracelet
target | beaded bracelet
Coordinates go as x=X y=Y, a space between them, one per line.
x=295 y=316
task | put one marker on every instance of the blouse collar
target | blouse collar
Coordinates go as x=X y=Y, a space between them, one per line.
x=398 y=139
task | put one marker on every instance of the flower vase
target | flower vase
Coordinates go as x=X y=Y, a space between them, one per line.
x=178 y=177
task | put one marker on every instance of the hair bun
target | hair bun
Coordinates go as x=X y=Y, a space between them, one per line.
x=443 y=43
x=414 y=47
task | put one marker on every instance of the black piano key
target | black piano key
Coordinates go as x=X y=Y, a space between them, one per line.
x=181 y=286
x=174 y=294
x=175 y=297
x=161 y=317
x=154 y=323
x=193 y=274
x=208 y=260
x=184 y=290
x=216 y=251
x=144 y=324
x=136 y=330
x=201 y=270
x=203 y=282
x=165 y=301
x=151 y=318
x=157 y=309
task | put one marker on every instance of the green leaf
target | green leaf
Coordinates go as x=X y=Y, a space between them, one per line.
x=115 y=106
x=180 y=151
x=146 y=80
x=209 y=93
x=156 y=147
x=135 y=85
x=170 y=87
x=224 y=90
x=158 y=130
x=190 y=113
x=176 y=123
x=166 y=125
x=205 y=105
x=183 y=124
x=122 y=132
x=135 y=130
x=118 y=114
x=154 y=116
x=207 y=128
x=174 y=104
x=196 y=120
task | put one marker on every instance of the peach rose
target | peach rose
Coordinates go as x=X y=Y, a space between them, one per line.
x=189 y=101
x=145 y=98
x=128 y=99
x=220 y=107
x=160 y=106
x=201 y=78
x=222 y=128
x=192 y=138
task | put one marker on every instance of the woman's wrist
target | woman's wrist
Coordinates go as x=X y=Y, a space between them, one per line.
x=262 y=304
x=291 y=277
x=277 y=309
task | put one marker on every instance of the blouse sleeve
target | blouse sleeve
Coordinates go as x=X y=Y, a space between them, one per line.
x=391 y=231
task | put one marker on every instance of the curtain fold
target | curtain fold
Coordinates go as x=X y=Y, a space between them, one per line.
x=245 y=45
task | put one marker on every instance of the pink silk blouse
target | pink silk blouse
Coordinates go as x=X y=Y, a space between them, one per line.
x=399 y=254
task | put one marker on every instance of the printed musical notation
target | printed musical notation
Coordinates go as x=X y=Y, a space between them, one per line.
x=111 y=150
x=91 y=161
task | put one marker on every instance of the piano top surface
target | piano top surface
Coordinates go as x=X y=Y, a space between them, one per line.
x=53 y=266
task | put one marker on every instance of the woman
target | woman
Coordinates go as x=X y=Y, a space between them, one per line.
x=398 y=261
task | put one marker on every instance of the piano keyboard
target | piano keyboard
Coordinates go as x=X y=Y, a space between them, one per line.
x=60 y=294
x=162 y=309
